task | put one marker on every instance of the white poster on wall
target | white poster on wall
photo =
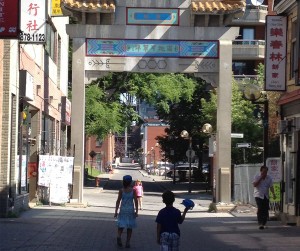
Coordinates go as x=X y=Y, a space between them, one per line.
x=23 y=170
x=56 y=172
x=274 y=169
x=44 y=171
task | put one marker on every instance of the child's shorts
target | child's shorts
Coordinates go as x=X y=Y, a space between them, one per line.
x=169 y=242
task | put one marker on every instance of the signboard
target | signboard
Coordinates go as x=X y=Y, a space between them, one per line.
x=276 y=187
x=274 y=169
x=56 y=10
x=189 y=153
x=152 y=48
x=33 y=21
x=9 y=19
x=32 y=169
x=237 y=135
x=149 y=16
x=275 y=58
x=212 y=145
x=247 y=145
x=65 y=111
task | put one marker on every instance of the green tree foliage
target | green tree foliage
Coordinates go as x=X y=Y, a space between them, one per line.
x=105 y=112
x=243 y=121
x=180 y=100
x=185 y=113
x=101 y=117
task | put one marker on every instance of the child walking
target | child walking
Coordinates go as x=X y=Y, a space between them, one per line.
x=138 y=187
x=168 y=218
x=128 y=210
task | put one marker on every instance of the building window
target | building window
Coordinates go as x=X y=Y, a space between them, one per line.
x=243 y=68
x=248 y=33
x=47 y=137
x=51 y=45
x=250 y=2
x=99 y=142
x=23 y=148
x=58 y=61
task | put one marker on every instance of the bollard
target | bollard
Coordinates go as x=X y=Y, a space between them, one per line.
x=97 y=179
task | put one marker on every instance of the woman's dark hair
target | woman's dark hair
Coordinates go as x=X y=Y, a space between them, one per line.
x=127 y=179
x=168 y=197
x=263 y=167
x=126 y=183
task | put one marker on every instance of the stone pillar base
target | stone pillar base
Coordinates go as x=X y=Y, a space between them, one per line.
x=224 y=185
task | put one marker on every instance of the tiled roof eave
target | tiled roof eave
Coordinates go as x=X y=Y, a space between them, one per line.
x=218 y=7
x=92 y=7
x=217 y=12
x=89 y=10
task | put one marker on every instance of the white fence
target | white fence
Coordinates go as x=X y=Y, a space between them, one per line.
x=243 y=177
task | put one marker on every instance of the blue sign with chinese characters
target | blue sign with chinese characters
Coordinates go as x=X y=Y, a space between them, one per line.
x=150 y=16
x=152 y=48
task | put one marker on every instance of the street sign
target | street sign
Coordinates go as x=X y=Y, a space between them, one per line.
x=237 y=135
x=246 y=145
x=188 y=153
x=92 y=154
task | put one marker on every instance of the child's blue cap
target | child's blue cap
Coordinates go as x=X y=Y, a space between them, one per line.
x=127 y=178
x=188 y=203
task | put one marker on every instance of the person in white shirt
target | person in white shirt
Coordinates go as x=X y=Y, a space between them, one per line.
x=262 y=184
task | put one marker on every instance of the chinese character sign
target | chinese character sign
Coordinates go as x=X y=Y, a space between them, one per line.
x=9 y=19
x=56 y=10
x=152 y=48
x=275 y=58
x=33 y=21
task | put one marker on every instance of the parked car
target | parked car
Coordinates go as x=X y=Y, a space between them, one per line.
x=205 y=168
x=159 y=169
x=182 y=172
x=205 y=171
x=164 y=169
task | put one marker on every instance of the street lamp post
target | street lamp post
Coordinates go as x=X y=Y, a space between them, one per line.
x=266 y=129
x=253 y=93
x=185 y=134
x=172 y=153
x=154 y=155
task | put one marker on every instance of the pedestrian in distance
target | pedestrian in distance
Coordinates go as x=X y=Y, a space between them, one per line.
x=138 y=187
x=168 y=218
x=262 y=183
x=128 y=205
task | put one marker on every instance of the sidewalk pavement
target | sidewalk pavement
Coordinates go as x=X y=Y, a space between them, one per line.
x=94 y=229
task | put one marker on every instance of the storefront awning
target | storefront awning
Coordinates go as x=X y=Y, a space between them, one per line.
x=289 y=97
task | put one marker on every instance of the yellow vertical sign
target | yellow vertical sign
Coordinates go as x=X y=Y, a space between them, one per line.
x=56 y=10
x=277 y=193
